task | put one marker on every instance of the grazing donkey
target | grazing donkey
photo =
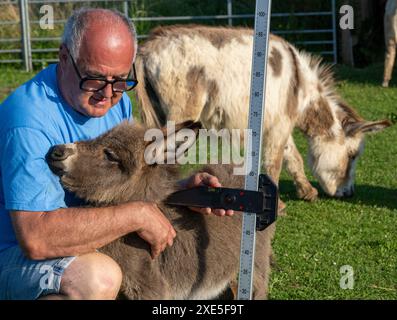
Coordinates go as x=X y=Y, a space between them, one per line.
x=204 y=258
x=203 y=74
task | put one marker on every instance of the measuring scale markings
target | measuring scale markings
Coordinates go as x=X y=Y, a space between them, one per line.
x=254 y=144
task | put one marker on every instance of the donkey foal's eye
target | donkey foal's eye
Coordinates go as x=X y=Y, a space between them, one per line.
x=111 y=155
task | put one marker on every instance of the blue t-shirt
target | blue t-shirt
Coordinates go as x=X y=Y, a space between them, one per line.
x=32 y=119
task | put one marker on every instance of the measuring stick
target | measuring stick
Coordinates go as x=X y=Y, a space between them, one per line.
x=254 y=145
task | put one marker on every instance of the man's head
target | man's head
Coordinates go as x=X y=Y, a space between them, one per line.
x=96 y=43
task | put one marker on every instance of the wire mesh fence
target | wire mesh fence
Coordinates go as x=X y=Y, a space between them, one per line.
x=30 y=30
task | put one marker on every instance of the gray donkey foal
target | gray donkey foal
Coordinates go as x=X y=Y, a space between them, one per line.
x=204 y=258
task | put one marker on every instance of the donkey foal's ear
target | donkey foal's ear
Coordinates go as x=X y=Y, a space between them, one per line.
x=192 y=125
x=185 y=137
x=170 y=142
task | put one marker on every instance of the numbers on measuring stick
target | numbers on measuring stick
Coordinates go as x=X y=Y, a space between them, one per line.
x=258 y=80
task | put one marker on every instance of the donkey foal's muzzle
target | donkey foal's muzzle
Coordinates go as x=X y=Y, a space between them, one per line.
x=56 y=157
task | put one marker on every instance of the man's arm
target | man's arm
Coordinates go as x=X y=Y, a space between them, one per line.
x=75 y=231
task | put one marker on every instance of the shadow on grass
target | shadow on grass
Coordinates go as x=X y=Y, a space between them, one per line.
x=364 y=195
x=374 y=196
x=372 y=75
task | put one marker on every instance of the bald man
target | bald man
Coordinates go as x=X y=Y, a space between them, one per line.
x=48 y=244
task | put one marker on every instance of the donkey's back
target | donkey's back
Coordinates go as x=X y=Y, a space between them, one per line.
x=203 y=73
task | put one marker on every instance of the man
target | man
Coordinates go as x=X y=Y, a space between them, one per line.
x=47 y=243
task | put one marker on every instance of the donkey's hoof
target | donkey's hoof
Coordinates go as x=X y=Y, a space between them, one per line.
x=308 y=194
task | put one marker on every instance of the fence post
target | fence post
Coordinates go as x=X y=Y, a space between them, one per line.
x=334 y=34
x=230 y=12
x=25 y=34
x=125 y=7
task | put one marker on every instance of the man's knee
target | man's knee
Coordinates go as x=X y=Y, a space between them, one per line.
x=92 y=276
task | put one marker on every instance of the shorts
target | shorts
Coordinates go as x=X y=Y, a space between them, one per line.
x=25 y=279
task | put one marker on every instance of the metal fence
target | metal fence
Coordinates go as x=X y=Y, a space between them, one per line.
x=31 y=47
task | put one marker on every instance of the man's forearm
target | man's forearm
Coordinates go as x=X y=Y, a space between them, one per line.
x=73 y=231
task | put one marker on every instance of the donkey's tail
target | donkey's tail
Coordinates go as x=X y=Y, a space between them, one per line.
x=149 y=106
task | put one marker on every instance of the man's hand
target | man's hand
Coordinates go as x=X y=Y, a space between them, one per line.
x=205 y=179
x=156 y=229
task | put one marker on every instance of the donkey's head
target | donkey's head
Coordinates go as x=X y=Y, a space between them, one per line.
x=333 y=156
x=120 y=165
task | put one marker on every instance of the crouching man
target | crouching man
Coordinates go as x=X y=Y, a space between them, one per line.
x=47 y=242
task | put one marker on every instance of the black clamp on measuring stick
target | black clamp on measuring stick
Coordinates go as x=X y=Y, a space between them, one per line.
x=263 y=202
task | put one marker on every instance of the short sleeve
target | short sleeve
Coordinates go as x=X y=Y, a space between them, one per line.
x=127 y=107
x=28 y=183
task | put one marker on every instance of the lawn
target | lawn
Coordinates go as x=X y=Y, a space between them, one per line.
x=316 y=240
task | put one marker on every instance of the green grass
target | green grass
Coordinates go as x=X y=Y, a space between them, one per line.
x=316 y=239
x=10 y=79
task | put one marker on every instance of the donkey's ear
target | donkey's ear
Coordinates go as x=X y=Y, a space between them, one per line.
x=191 y=125
x=185 y=137
x=366 y=127
x=170 y=142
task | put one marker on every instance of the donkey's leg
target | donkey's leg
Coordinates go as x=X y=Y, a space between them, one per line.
x=390 y=30
x=186 y=112
x=294 y=165
x=273 y=157
x=389 y=62
x=189 y=103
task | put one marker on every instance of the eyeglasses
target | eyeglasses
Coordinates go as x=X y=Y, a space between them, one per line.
x=93 y=84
